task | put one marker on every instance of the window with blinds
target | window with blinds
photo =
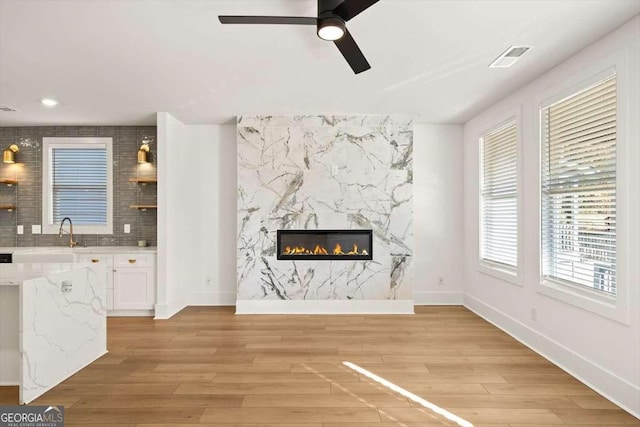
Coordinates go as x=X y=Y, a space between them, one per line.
x=579 y=188
x=77 y=182
x=499 y=198
x=79 y=185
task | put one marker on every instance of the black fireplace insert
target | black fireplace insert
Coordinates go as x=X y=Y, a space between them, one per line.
x=341 y=245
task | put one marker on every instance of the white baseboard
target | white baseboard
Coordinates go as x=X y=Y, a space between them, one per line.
x=324 y=307
x=166 y=311
x=608 y=384
x=438 y=298
x=9 y=383
x=211 y=298
x=130 y=313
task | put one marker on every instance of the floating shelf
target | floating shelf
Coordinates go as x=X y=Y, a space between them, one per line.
x=9 y=182
x=144 y=181
x=7 y=207
x=144 y=207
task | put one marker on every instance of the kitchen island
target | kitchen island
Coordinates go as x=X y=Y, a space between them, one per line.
x=52 y=323
x=131 y=272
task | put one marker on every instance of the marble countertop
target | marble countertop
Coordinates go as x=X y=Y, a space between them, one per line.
x=15 y=274
x=81 y=250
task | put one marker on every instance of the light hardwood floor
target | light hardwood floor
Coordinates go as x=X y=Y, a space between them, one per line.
x=207 y=366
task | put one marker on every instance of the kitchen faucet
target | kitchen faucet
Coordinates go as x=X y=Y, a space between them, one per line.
x=61 y=231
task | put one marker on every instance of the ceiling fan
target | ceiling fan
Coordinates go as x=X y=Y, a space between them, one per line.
x=330 y=25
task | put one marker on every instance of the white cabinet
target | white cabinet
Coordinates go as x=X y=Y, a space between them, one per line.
x=134 y=282
x=131 y=281
x=133 y=288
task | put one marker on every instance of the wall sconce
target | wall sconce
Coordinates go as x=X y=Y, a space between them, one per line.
x=142 y=153
x=8 y=155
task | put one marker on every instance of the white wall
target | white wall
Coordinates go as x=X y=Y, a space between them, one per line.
x=196 y=215
x=228 y=213
x=437 y=213
x=216 y=240
x=602 y=352
x=170 y=289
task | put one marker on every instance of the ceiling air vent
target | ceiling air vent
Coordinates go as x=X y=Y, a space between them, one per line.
x=509 y=57
x=8 y=109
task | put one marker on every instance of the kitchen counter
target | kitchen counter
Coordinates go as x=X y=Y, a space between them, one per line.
x=15 y=274
x=81 y=249
x=130 y=272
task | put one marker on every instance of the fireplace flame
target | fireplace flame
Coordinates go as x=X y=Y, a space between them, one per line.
x=320 y=250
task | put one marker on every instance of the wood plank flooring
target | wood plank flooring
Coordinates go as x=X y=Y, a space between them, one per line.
x=208 y=367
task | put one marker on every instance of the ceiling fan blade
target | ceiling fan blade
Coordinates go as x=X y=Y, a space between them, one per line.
x=350 y=8
x=290 y=20
x=352 y=53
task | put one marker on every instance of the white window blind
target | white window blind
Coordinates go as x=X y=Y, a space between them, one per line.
x=79 y=185
x=499 y=197
x=579 y=188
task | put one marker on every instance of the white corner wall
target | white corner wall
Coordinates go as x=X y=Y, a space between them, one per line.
x=438 y=214
x=170 y=291
x=603 y=353
x=196 y=215
x=215 y=191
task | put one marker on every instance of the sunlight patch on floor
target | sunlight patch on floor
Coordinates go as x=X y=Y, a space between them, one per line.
x=425 y=403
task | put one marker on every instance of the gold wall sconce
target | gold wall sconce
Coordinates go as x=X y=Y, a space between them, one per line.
x=142 y=153
x=8 y=155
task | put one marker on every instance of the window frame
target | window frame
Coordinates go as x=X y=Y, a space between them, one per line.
x=614 y=307
x=49 y=143
x=512 y=276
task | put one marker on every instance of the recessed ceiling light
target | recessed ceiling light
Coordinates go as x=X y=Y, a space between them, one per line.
x=49 y=102
x=510 y=56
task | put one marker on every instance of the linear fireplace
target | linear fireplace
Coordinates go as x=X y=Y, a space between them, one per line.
x=342 y=245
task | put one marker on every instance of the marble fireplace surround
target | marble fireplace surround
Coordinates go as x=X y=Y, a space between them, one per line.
x=324 y=172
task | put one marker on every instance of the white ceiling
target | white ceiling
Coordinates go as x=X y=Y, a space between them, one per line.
x=118 y=62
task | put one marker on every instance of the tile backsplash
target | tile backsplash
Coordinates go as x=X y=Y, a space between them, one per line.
x=27 y=194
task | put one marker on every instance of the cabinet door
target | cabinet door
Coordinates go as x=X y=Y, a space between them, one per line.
x=133 y=289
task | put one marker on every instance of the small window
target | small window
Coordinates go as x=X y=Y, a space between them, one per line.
x=579 y=189
x=77 y=183
x=499 y=198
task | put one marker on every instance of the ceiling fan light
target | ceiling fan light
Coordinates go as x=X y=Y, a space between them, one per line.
x=331 y=29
